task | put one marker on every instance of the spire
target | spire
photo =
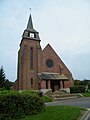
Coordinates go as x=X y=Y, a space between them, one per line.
x=30 y=32
x=30 y=23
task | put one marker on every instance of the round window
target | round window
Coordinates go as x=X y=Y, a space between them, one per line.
x=49 y=63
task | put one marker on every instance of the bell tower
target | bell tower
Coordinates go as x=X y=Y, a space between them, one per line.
x=29 y=58
x=30 y=32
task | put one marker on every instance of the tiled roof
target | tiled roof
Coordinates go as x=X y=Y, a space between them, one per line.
x=52 y=76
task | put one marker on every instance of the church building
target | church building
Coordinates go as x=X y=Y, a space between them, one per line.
x=40 y=68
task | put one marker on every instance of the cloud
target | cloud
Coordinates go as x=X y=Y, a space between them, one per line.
x=65 y=24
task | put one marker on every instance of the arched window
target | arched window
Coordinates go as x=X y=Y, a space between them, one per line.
x=31 y=58
x=31 y=81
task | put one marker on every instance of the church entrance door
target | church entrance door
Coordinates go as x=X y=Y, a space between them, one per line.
x=55 y=85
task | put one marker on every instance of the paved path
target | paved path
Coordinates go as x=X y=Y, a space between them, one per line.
x=80 y=102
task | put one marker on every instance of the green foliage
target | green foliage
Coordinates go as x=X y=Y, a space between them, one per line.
x=16 y=105
x=8 y=84
x=4 y=83
x=78 y=89
x=47 y=99
x=5 y=92
x=84 y=82
x=57 y=113
x=81 y=82
x=2 y=77
x=76 y=82
x=86 y=94
x=33 y=92
x=30 y=92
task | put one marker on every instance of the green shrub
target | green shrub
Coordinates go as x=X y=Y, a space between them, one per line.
x=87 y=94
x=4 y=92
x=29 y=92
x=78 y=89
x=45 y=98
x=16 y=105
x=36 y=92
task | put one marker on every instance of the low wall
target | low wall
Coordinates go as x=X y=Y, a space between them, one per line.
x=67 y=90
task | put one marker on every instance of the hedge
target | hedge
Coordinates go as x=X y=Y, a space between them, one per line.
x=78 y=89
x=17 y=105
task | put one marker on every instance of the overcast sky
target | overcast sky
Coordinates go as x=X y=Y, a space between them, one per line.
x=64 y=24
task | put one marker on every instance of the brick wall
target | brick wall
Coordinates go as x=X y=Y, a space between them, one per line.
x=40 y=57
x=49 y=53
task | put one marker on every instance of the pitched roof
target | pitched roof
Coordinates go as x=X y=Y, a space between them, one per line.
x=52 y=76
x=30 y=25
x=50 y=48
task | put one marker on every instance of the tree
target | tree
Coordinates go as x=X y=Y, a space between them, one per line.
x=76 y=82
x=4 y=83
x=8 y=84
x=81 y=82
x=84 y=82
x=2 y=77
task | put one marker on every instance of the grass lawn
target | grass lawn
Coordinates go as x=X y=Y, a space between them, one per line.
x=47 y=99
x=57 y=113
x=86 y=94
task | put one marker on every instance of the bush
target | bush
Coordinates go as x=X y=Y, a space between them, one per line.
x=29 y=92
x=86 y=94
x=4 y=92
x=16 y=105
x=78 y=89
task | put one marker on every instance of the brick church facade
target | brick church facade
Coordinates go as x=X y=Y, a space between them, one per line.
x=37 y=68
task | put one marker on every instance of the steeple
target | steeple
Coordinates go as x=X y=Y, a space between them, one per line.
x=30 y=32
x=30 y=23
